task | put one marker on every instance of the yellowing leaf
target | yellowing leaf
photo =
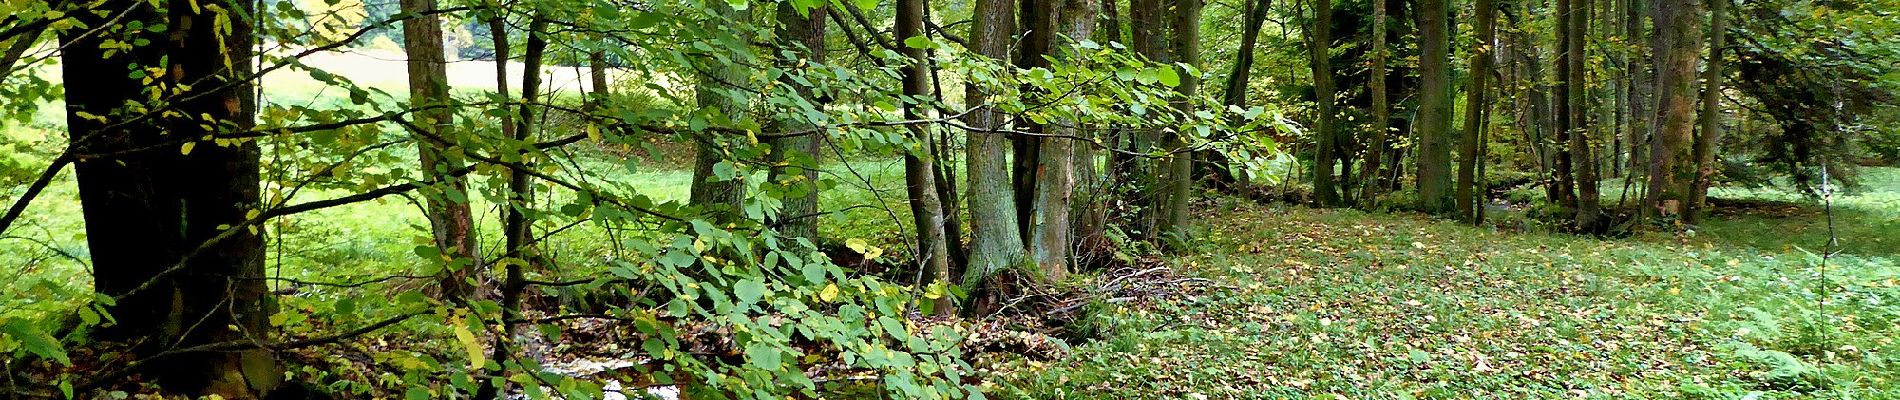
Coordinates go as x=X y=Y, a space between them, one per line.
x=474 y=349
x=830 y=293
x=186 y=149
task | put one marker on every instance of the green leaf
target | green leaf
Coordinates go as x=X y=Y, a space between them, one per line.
x=919 y=42
x=35 y=341
x=762 y=356
x=748 y=291
x=1168 y=77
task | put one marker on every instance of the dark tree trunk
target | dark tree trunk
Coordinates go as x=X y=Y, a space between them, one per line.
x=1147 y=28
x=1325 y=148
x=173 y=206
x=1575 y=97
x=920 y=171
x=1037 y=19
x=1434 y=115
x=1469 y=204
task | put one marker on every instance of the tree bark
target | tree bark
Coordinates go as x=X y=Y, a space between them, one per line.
x=994 y=241
x=721 y=198
x=1671 y=166
x=1475 y=104
x=1575 y=104
x=798 y=158
x=450 y=221
x=1434 y=125
x=1180 y=166
x=1325 y=148
x=1054 y=235
x=920 y=171
x=1147 y=27
x=1711 y=136
x=147 y=210
x=1381 y=111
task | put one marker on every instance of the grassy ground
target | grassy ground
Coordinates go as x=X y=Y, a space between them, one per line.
x=1310 y=303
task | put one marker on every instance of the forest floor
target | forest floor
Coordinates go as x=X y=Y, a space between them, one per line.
x=1311 y=303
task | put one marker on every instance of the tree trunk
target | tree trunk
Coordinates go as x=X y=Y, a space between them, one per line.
x=994 y=242
x=597 y=75
x=451 y=221
x=1234 y=91
x=1180 y=166
x=1381 y=111
x=1642 y=84
x=1054 y=235
x=805 y=35
x=920 y=172
x=1147 y=26
x=721 y=198
x=1037 y=20
x=1325 y=148
x=1575 y=104
x=1475 y=103
x=1711 y=112
x=149 y=211
x=1671 y=166
x=1434 y=125
x=516 y=228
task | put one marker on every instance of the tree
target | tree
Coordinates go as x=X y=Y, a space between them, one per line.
x=1677 y=48
x=450 y=221
x=1180 y=166
x=1325 y=148
x=718 y=95
x=1572 y=93
x=920 y=170
x=796 y=159
x=1485 y=16
x=1711 y=135
x=1054 y=237
x=1381 y=111
x=1434 y=106
x=995 y=243
x=1234 y=91
x=165 y=205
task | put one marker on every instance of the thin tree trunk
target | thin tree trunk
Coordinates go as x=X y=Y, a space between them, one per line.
x=1147 y=26
x=1711 y=136
x=1325 y=148
x=920 y=172
x=1434 y=126
x=1381 y=110
x=805 y=35
x=516 y=234
x=1581 y=149
x=597 y=75
x=1234 y=92
x=1180 y=167
x=1642 y=84
x=1475 y=104
x=721 y=198
x=451 y=222
x=1037 y=20
x=1671 y=165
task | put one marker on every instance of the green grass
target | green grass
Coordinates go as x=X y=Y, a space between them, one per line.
x=1313 y=303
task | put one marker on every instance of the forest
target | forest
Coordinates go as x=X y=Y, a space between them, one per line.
x=934 y=199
